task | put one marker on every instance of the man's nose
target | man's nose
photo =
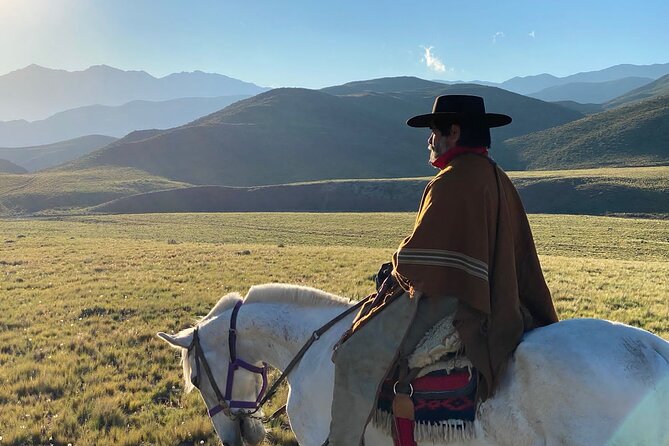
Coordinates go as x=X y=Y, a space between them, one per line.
x=429 y=139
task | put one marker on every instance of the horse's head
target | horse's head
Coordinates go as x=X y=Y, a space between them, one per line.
x=206 y=364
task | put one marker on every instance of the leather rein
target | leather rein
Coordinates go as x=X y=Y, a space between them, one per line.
x=225 y=401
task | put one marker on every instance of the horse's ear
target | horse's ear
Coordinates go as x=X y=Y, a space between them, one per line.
x=178 y=340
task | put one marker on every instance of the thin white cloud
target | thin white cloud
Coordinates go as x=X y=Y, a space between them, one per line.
x=531 y=34
x=498 y=36
x=432 y=61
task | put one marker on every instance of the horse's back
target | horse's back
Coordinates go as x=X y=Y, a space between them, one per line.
x=589 y=381
x=603 y=349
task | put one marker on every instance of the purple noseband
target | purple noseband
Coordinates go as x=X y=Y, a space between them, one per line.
x=235 y=364
x=225 y=401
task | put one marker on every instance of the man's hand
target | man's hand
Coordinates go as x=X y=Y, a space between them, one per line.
x=383 y=274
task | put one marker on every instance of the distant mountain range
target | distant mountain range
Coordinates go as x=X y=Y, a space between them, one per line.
x=533 y=84
x=36 y=92
x=657 y=88
x=213 y=146
x=588 y=87
x=291 y=134
x=108 y=120
x=591 y=92
x=42 y=157
x=58 y=105
x=357 y=130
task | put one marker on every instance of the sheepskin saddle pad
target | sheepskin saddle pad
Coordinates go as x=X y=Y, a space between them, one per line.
x=444 y=391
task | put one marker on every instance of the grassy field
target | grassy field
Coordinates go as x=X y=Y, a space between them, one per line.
x=81 y=299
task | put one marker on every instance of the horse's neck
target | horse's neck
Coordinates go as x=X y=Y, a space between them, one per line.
x=275 y=332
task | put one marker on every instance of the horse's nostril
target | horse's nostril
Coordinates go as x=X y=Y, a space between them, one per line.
x=225 y=443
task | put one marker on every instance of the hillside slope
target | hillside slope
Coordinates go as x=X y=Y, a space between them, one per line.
x=57 y=191
x=45 y=156
x=7 y=166
x=631 y=135
x=591 y=92
x=660 y=87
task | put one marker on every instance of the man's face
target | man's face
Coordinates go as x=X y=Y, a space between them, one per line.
x=435 y=144
x=438 y=143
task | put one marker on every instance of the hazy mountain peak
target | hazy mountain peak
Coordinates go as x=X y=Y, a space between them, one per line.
x=196 y=74
x=106 y=68
x=543 y=76
x=34 y=69
x=35 y=92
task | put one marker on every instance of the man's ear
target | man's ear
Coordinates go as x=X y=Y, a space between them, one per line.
x=454 y=136
x=455 y=131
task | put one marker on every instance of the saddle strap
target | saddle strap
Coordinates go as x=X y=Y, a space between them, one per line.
x=403 y=408
x=403 y=432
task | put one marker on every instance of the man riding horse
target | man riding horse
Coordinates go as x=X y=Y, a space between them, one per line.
x=471 y=256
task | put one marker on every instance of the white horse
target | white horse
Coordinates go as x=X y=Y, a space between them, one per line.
x=578 y=382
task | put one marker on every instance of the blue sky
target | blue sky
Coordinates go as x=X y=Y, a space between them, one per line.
x=317 y=43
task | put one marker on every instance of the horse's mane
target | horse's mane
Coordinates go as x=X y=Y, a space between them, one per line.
x=284 y=293
x=278 y=293
x=266 y=293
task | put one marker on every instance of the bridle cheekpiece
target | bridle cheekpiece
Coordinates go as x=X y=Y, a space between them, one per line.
x=225 y=401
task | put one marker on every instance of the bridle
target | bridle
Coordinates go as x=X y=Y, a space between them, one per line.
x=225 y=401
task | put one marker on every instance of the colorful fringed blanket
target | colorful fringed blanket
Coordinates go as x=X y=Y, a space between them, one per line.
x=444 y=393
x=445 y=405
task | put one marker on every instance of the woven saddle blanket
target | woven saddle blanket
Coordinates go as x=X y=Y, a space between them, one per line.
x=444 y=392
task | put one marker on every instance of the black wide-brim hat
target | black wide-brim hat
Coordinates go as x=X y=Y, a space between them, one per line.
x=459 y=108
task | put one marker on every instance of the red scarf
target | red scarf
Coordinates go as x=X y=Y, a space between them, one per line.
x=445 y=158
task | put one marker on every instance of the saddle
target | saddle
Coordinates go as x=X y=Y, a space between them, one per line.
x=431 y=395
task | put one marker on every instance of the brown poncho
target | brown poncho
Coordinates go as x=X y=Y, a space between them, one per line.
x=459 y=249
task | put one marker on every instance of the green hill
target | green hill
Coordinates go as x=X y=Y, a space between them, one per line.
x=58 y=190
x=292 y=134
x=659 y=87
x=631 y=135
x=642 y=190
